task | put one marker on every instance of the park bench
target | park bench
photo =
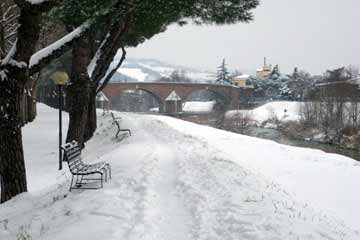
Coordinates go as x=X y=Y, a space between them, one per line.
x=116 y=121
x=78 y=169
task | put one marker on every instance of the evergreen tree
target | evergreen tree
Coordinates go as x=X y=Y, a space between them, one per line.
x=275 y=73
x=295 y=75
x=223 y=75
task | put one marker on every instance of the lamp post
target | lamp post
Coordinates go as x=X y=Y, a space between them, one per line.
x=60 y=79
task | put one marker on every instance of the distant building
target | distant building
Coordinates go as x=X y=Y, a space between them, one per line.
x=242 y=81
x=173 y=103
x=102 y=101
x=265 y=71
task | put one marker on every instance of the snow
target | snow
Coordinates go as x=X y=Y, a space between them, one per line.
x=177 y=180
x=3 y=75
x=134 y=73
x=47 y=51
x=198 y=106
x=273 y=110
x=173 y=96
x=156 y=69
x=95 y=59
x=36 y=1
x=165 y=71
x=102 y=97
x=10 y=54
x=243 y=76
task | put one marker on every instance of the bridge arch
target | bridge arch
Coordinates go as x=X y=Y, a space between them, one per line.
x=137 y=90
x=221 y=99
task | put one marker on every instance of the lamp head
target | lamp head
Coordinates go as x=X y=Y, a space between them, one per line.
x=60 y=78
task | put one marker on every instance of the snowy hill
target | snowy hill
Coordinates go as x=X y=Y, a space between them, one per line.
x=149 y=70
x=177 y=180
x=272 y=110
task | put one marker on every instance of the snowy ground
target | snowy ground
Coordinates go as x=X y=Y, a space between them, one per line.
x=178 y=180
x=198 y=106
x=194 y=107
x=272 y=110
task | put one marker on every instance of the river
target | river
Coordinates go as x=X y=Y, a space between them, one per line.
x=277 y=136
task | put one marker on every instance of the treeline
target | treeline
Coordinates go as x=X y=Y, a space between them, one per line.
x=332 y=106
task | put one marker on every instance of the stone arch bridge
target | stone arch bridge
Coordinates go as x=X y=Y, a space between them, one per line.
x=229 y=94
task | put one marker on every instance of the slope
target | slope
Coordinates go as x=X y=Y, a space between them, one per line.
x=171 y=180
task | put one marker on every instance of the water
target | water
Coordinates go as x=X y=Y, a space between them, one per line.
x=277 y=136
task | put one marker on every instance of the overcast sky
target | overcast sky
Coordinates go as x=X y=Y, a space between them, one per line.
x=314 y=35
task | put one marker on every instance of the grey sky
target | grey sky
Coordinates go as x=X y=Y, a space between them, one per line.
x=314 y=35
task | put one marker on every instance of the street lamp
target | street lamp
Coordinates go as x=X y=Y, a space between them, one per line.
x=60 y=79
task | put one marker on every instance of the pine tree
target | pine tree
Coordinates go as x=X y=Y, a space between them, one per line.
x=275 y=73
x=295 y=75
x=223 y=75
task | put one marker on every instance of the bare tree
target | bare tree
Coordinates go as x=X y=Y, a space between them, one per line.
x=239 y=122
x=9 y=14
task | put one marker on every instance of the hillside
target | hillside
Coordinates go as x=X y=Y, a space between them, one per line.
x=149 y=70
x=177 y=180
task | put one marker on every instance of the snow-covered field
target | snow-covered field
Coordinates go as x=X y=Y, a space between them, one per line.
x=134 y=73
x=273 y=110
x=194 y=107
x=177 y=180
x=198 y=106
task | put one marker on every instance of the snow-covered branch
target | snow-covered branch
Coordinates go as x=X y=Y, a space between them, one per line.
x=46 y=55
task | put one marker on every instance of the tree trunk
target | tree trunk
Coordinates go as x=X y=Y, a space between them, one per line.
x=12 y=174
x=77 y=104
x=91 y=123
x=31 y=100
x=12 y=164
x=79 y=91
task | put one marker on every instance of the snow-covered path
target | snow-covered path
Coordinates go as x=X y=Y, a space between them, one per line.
x=171 y=180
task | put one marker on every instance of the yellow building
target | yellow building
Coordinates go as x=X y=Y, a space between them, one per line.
x=265 y=71
x=242 y=81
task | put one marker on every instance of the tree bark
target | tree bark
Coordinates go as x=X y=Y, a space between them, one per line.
x=77 y=104
x=78 y=92
x=12 y=174
x=12 y=164
x=91 y=121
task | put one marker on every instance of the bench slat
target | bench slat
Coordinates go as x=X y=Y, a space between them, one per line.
x=73 y=155
x=73 y=150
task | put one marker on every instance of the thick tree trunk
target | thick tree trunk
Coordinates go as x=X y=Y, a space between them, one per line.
x=79 y=91
x=12 y=165
x=31 y=100
x=91 y=123
x=77 y=104
x=12 y=174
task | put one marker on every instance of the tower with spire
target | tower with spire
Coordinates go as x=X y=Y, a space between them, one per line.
x=265 y=71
